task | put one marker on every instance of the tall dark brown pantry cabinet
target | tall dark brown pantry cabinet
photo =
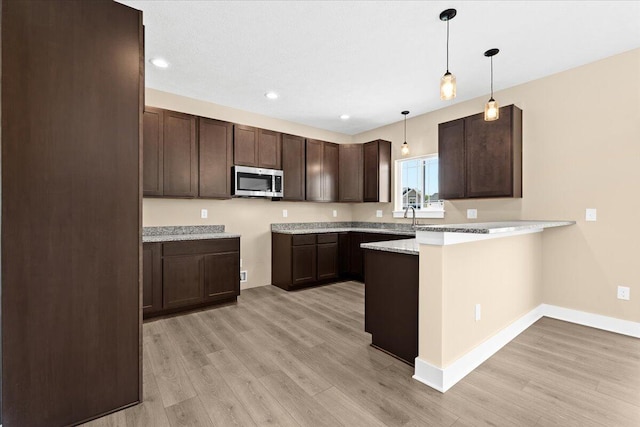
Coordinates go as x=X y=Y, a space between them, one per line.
x=72 y=91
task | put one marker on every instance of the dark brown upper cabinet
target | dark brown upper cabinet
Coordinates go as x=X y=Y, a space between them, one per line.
x=479 y=159
x=351 y=173
x=180 y=155
x=377 y=171
x=322 y=171
x=215 y=157
x=257 y=147
x=152 y=173
x=293 y=167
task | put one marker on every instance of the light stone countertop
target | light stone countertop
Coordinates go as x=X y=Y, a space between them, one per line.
x=493 y=227
x=407 y=246
x=184 y=232
x=345 y=229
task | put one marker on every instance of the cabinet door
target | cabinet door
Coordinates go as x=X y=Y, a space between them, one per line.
x=182 y=280
x=303 y=259
x=489 y=156
x=180 y=155
x=351 y=167
x=451 y=160
x=293 y=167
x=370 y=155
x=343 y=253
x=327 y=261
x=151 y=277
x=152 y=152
x=314 y=157
x=355 y=255
x=216 y=158
x=330 y=172
x=221 y=275
x=245 y=145
x=269 y=149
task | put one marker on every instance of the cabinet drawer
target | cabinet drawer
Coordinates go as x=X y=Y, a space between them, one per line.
x=303 y=239
x=328 y=238
x=201 y=246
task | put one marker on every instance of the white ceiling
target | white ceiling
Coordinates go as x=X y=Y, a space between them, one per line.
x=369 y=59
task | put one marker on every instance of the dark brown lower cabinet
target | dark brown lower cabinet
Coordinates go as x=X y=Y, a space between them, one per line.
x=193 y=274
x=311 y=259
x=391 y=303
x=152 y=277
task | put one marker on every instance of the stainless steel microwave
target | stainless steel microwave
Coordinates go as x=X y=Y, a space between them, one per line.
x=257 y=182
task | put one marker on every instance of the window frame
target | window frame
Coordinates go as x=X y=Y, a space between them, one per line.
x=435 y=209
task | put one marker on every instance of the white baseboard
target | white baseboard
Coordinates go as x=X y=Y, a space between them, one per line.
x=598 y=321
x=442 y=379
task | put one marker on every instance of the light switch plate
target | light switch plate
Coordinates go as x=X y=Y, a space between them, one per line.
x=335 y=213
x=472 y=213
x=204 y=213
x=478 y=312
x=591 y=214
x=379 y=213
x=285 y=213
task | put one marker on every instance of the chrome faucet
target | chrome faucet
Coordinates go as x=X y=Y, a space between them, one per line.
x=413 y=223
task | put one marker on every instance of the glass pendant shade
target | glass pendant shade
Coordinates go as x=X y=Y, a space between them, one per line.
x=405 y=149
x=447 y=86
x=491 y=111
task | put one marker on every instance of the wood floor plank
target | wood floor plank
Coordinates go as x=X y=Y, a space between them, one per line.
x=207 y=339
x=188 y=413
x=218 y=399
x=191 y=352
x=171 y=377
x=302 y=407
x=263 y=408
x=346 y=410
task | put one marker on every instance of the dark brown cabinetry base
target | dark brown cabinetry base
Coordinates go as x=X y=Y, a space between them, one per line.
x=192 y=274
x=299 y=260
x=391 y=303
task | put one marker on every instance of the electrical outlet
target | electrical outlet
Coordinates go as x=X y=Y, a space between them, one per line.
x=478 y=312
x=204 y=213
x=379 y=213
x=591 y=214
x=624 y=293
x=472 y=213
x=285 y=213
x=243 y=276
x=335 y=213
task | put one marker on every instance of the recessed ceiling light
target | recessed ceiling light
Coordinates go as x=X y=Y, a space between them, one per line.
x=271 y=95
x=160 y=62
x=345 y=117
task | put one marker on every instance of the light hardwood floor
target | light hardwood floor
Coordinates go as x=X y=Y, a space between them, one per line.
x=303 y=358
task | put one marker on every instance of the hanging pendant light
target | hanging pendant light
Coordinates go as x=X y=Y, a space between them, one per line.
x=448 y=81
x=405 y=147
x=491 y=108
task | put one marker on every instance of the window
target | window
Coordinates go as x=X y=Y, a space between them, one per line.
x=417 y=187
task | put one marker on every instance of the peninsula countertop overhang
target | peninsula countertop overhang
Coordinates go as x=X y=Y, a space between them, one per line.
x=449 y=234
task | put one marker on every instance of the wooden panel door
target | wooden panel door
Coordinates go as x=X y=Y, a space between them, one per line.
x=330 y=172
x=293 y=167
x=327 y=261
x=269 y=149
x=180 y=155
x=314 y=158
x=153 y=160
x=370 y=170
x=343 y=253
x=488 y=156
x=151 y=277
x=221 y=275
x=183 y=280
x=451 y=160
x=216 y=158
x=303 y=264
x=72 y=90
x=351 y=173
x=245 y=145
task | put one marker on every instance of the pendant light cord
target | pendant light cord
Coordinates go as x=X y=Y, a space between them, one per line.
x=447 y=45
x=405 y=128
x=492 y=77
